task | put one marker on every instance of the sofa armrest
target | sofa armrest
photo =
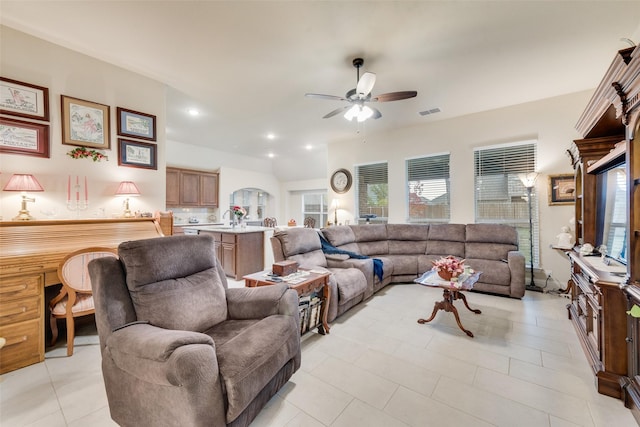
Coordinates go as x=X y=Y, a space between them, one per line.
x=261 y=301
x=515 y=260
x=365 y=265
x=162 y=356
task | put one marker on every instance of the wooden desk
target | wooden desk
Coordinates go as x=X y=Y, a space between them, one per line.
x=30 y=252
x=312 y=283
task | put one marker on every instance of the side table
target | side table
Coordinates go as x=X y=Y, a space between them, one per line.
x=305 y=283
x=451 y=292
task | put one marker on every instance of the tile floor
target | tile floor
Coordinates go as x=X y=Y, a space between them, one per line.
x=379 y=367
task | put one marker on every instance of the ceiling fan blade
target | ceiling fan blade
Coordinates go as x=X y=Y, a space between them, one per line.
x=365 y=84
x=321 y=96
x=394 y=96
x=336 y=112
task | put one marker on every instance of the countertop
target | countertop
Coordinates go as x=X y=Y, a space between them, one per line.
x=228 y=229
x=197 y=224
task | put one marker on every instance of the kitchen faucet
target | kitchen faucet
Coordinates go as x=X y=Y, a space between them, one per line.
x=232 y=217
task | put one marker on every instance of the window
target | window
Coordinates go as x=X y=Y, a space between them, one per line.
x=372 y=192
x=500 y=196
x=314 y=205
x=428 y=185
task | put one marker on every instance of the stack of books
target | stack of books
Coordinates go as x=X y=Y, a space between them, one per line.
x=310 y=310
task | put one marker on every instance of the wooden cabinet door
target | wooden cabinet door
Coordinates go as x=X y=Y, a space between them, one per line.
x=189 y=188
x=209 y=190
x=229 y=258
x=173 y=187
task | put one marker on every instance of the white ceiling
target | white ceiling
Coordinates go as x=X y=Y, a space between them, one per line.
x=247 y=65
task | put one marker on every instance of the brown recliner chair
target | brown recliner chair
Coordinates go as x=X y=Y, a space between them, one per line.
x=178 y=346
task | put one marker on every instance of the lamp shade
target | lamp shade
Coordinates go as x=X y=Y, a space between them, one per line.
x=127 y=188
x=528 y=179
x=23 y=182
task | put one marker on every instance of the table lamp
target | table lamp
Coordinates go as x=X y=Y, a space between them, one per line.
x=24 y=183
x=129 y=189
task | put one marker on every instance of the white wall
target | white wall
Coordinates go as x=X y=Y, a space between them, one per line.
x=63 y=71
x=551 y=122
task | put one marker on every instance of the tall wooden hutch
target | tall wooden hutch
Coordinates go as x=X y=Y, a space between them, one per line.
x=601 y=294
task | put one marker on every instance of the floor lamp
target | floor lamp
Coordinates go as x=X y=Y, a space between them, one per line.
x=529 y=181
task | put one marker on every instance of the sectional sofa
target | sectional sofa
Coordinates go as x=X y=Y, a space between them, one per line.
x=406 y=251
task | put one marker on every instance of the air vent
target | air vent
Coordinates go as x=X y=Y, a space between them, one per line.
x=431 y=111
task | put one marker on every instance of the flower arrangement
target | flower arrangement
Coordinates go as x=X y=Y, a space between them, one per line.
x=239 y=212
x=449 y=267
x=83 y=153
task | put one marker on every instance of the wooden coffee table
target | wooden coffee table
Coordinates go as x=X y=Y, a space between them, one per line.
x=451 y=291
x=312 y=282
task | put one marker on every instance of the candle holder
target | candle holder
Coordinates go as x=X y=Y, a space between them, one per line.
x=77 y=205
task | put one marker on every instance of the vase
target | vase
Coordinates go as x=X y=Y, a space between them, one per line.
x=445 y=275
x=241 y=223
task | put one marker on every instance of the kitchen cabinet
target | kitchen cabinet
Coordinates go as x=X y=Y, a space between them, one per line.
x=239 y=252
x=191 y=188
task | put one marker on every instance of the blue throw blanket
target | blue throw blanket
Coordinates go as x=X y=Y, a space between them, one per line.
x=327 y=248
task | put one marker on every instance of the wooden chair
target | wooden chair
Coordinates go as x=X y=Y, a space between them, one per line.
x=75 y=298
x=270 y=222
x=165 y=219
x=309 y=222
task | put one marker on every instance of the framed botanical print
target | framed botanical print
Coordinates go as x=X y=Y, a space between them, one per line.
x=136 y=125
x=85 y=123
x=562 y=189
x=24 y=99
x=137 y=154
x=26 y=138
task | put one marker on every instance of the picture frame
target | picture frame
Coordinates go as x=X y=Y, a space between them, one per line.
x=85 y=123
x=134 y=124
x=562 y=189
x=24 y=99
x=137 y=154
x=26 y=138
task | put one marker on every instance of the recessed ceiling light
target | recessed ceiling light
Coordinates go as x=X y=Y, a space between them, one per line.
x=271 y=136
x=193 y=112
x=308 y=146
x=271 y=155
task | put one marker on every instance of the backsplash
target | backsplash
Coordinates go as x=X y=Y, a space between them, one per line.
x=190 y=215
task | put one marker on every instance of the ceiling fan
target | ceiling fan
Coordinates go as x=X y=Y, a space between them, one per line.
x=356 y=98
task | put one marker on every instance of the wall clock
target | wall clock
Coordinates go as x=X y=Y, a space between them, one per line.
x=341 y=181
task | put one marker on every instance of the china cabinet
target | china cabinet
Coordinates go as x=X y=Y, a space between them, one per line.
x=606 y=288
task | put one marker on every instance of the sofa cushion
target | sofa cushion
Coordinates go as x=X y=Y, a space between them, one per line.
x=310 y=259
x=410 y=247
x=351 y=284
x=418 y=232
x=193 y=301
x=297 y=241
x=379 y=247
x=339 y=235
x=492 y=233
x=493 y=272
x=489 y=251
x=404 y=264
x=250 y=359
x=446 y=239
x=370 y=233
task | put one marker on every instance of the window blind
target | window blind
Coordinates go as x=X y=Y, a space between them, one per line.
x=428 y=189
x=500 y=196
x=372 y=191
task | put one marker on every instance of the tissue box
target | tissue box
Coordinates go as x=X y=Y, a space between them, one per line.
x=284 y=268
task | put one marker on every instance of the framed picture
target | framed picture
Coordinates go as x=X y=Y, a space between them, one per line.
x=85 y=123
x=136 y=125
x=29 y=139
x=24 y=99
x=137 y=154
x=562 y=189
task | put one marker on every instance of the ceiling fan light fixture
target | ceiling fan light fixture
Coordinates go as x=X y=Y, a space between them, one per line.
x=352 y=112
x=365 y=113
